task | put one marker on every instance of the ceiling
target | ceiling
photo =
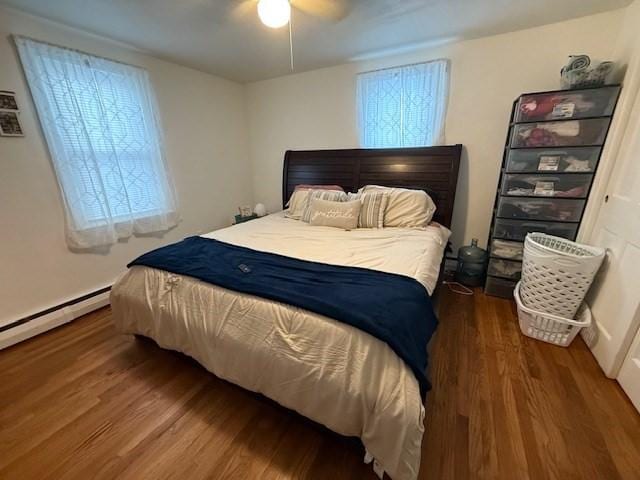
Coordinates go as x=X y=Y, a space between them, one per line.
x=211 y=36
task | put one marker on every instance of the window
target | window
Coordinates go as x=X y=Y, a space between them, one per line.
x=404 y=106
x=101 y=125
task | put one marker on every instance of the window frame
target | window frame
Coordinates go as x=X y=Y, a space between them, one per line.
x=101 y=123
x=369 y=111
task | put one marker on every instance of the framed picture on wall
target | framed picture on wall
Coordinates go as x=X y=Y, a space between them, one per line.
x=8 y=101
x=10 y=124
x=9 y=120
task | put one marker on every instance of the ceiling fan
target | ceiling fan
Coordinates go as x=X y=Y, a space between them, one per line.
x=278 y=13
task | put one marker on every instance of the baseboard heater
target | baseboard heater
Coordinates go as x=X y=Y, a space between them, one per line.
x=53 y=317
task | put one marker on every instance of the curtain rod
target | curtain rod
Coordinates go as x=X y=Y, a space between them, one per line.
x=82 y=52
x=446 y=60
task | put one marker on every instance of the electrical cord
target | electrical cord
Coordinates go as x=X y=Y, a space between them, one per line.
x=457 y=287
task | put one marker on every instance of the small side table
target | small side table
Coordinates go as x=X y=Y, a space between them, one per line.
x=241 y=219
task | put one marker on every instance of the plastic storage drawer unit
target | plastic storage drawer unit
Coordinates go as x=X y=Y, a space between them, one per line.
x=553 y=146
x=504 y=269
x=518 y=229
x=524 y=184
x=506 y=249
x=499 y=287
x=593 y=102
x=553 y=160
x=560 y=134
x=547 y=209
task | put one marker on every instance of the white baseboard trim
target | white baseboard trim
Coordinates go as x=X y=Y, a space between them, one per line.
x=64 y=314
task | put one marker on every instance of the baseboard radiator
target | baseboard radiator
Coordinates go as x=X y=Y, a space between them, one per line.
x=53 y=317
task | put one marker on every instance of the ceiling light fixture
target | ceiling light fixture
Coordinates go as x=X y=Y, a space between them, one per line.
x=274 y=13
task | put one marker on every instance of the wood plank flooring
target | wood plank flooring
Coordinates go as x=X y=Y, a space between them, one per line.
x=83 y=402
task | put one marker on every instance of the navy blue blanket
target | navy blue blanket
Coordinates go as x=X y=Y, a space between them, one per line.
x=393 y=308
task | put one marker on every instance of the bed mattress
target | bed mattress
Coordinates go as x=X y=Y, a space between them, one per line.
x=326 y=370
x=416 y=253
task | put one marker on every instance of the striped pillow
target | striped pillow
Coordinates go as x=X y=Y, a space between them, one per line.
x=298 y=201
x=331 y=195
x=372 y=210
x=406 y=208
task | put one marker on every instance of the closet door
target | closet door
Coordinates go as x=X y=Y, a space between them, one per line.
x=629 y=376
x=615 y=296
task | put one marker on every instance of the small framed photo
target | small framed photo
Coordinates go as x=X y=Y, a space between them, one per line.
x=8 y=101
x=245 y=211
x=10 y=124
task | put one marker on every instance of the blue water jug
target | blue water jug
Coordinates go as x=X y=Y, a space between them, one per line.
x=472 y=265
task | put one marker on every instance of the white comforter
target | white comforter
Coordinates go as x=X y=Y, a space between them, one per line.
x=328 y=371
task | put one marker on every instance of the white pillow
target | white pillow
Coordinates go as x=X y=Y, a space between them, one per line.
x=374 y=204
x=297 y=204
x=299 y=201
x=331 y=195
x=342 y=215
x=406 y=207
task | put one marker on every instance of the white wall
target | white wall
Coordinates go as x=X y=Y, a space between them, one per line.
x=317 y=109
x=206 y=140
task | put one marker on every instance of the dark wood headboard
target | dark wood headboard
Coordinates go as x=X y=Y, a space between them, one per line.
x=432 y=169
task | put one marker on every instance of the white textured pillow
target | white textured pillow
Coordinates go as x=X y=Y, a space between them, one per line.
x=406 y=207
x=326 y=213
x=331 y=195
x=297 y=204
x=374 y=204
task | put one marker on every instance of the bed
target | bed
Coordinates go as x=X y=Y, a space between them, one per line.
x=327 y=370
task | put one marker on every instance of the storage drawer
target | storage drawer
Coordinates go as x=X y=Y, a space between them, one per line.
x=596 y=102
x=506 y=249
x=569 y=185
x=575 y=159
x=504 y=269
x=547 y=209
x=518 y=229
x=499 y=287
x=560 y=134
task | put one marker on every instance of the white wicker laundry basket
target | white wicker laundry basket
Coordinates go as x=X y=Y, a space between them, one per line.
x=550 y=328
x=556 y=274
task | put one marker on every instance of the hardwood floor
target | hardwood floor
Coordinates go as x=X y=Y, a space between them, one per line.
x=85 y=402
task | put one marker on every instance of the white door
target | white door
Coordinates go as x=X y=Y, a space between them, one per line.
x=615 y=296
x=629 y=376
x=615 y=224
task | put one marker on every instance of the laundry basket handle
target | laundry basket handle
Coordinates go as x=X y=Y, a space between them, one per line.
x=566 y=262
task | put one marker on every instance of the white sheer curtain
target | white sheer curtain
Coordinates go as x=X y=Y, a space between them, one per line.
x=102 y=127
x=404 y=106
